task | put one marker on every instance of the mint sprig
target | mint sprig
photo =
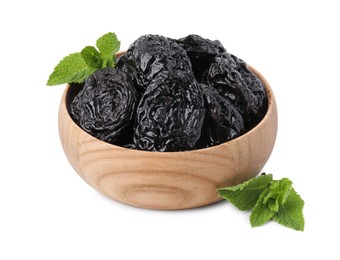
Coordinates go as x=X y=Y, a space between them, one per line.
x=267 y=199
x=76 y=67
x=244 y=196
x=108 y=45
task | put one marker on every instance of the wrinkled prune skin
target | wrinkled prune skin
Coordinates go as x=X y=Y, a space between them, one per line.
x=105 y=106
x=222 y=122
x=201 y=52
x=150 y=55
x=170 y=113
x=234 y=81
x=171 y=95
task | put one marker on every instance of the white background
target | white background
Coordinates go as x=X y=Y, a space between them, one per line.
x=48 y=212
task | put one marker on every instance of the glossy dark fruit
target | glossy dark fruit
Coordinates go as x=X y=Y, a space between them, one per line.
x=223 y=121
x=171 y=95
x=230 y=76
x=150 y=55
x=170 y=113
x=105 y=106
x=201 y=52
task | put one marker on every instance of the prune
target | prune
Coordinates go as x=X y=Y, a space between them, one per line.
x=222 y=122
x=233 y=80
x=106 y=104
x=170 y=113
x=171 y=95
x=201 y=51
x=151 y=54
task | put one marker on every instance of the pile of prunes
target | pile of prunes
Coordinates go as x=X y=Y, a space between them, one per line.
x=171 y=95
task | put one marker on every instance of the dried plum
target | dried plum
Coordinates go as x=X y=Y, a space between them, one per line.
x=171 y=95
x=151 y=54
x=233 y=80
x=106 y=104
x=223 y=121
x=170 y=113
x=201 y=51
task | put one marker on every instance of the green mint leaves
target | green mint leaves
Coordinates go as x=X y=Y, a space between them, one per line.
x=76 y=67
x=72 y=68
x=108 y=45
x=267 y=199
x=245 y=195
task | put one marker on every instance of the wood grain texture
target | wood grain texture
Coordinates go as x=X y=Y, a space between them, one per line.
x=167 y=180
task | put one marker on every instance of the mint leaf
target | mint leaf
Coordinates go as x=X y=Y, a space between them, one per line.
x=278 y=193
x=72 y=68
x=269 y=200
x=261 y=214
x=245 y=195
x=108 y=45
x=75 y=68
x=290 y=214
x=91 y=56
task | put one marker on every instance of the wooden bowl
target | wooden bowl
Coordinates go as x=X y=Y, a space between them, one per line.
x=167 y=180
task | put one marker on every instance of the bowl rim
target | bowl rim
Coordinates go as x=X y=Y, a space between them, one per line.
x=270 y=110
